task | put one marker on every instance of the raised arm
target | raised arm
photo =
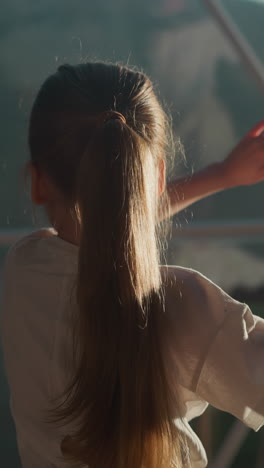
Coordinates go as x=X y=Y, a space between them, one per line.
x=187 y=190
x=243 y=166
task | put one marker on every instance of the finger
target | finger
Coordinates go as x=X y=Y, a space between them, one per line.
x=257 y=130
x=259 y=180
x=260 y=174
x=258 y=144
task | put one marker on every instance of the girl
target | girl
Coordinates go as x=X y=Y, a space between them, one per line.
x=108 y=354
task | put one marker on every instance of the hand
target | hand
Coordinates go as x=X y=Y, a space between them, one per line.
x=245 y=164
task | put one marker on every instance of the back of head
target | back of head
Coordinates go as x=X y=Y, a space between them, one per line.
x=100 y=134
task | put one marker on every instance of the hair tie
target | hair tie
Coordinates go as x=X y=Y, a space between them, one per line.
x=110 y=115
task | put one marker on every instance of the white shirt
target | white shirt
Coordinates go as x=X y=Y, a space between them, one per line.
x=214 y=347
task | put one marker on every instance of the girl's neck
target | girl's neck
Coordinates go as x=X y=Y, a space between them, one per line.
x=64 y=222
x=69 y=235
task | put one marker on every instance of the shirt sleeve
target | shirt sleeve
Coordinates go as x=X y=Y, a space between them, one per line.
x=232 y=375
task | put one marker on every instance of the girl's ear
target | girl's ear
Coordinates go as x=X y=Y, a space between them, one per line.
x=162 y=176
x=39 y=189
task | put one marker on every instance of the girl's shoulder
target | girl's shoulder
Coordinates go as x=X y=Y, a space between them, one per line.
x=27 y=244
x=195 y=294
x=215 y=344
x=42 y=249
x=197 y=303
x=196 y=311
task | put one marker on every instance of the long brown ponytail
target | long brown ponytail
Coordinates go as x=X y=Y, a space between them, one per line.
x=119 y=396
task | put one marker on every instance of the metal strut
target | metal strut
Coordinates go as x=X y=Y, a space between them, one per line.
x=240 y=44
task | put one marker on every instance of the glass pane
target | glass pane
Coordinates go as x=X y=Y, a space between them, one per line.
x=248 y=16
x=211 y=96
